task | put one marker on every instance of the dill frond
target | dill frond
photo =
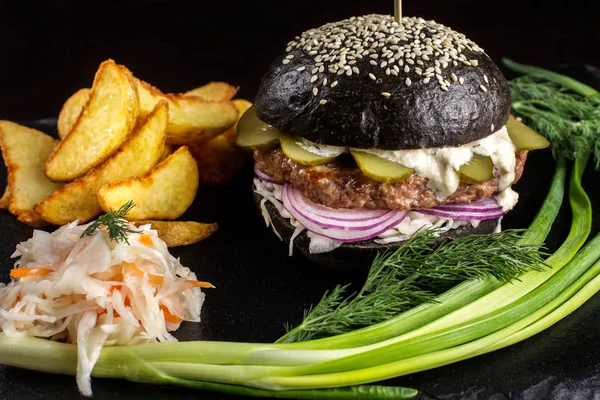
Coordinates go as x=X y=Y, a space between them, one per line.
x=115 y=223
x=415 y=273
x=570 y=121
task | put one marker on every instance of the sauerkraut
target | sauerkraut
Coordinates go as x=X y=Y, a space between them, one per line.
x=93 y=292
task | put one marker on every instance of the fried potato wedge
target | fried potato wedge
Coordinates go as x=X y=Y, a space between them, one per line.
x=25 y=152
x=191 y=118
x=167 y=151
x=242 y=105
x=221 y=158
x=32 y=219
x=5 y=199
x=110 y=115
x=180 y=233
x=214 y=91
x=218 y=160
x=141 y=151
x=164 y=193
x=71 y=110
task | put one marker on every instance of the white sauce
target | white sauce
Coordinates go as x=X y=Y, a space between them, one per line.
x=440 y=165
x=501 y=150
x=507 y=198
x=320 y=149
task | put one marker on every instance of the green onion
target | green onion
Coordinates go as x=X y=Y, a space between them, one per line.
x=562 y=80
x=122 y=363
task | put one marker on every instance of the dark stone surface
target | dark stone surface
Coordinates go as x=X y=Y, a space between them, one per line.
x=358 y=115
x=51 y=49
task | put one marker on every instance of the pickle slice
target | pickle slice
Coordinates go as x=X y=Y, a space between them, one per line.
x=379 y=169
x=479 y=169
x=524 y=137
x=253 y=133
x=296 y=153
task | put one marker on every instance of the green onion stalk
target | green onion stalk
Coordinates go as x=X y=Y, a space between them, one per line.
x=565 y=81
x=123 y=363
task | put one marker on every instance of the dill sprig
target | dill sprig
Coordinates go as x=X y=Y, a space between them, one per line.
x=115 y=223
x=415 y=273
x=569 y=120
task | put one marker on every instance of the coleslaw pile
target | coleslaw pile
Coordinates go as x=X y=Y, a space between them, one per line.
x=93 y=292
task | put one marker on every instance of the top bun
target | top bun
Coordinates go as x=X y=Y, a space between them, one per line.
x=366 y=82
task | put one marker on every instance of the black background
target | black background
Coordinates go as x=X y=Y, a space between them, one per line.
x=47 y=51
x=50 y=49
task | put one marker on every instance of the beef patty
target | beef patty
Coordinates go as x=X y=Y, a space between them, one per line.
x=342 y=185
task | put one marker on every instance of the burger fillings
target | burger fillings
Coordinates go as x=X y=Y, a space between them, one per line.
x=441 y=165
x=416 y=106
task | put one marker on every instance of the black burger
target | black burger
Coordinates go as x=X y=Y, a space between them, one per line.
x=365 y=131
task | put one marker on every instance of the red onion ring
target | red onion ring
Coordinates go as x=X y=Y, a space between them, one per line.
x=463 y=216
x=365 y=232
x=334 y=223
x=348 y=215
x=264 y=176
x=482 y=205
x=487 y=208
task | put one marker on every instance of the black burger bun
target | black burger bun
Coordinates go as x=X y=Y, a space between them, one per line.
x=354 y=256
x=421 y=87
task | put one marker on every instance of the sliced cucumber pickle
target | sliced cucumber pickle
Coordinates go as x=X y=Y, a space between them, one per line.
x=479 y=169
x=379 y=169
x=296 y=153
x=524 y=137
x=253 y=133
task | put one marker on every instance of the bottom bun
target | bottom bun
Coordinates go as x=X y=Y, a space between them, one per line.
x=355 y=256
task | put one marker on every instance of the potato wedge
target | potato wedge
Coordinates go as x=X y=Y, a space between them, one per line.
x=164 y=193
x=71 y=110
x=25 y=152
x=185 y=125
x=191 y=118
x=180 y=233
x=214 y=91
x=5 y=199
x=32 y=219
x=242 y=105
x=102 y=127
x=218 y=160
x=221 y=158
x=143 y=149
x=167 y=151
